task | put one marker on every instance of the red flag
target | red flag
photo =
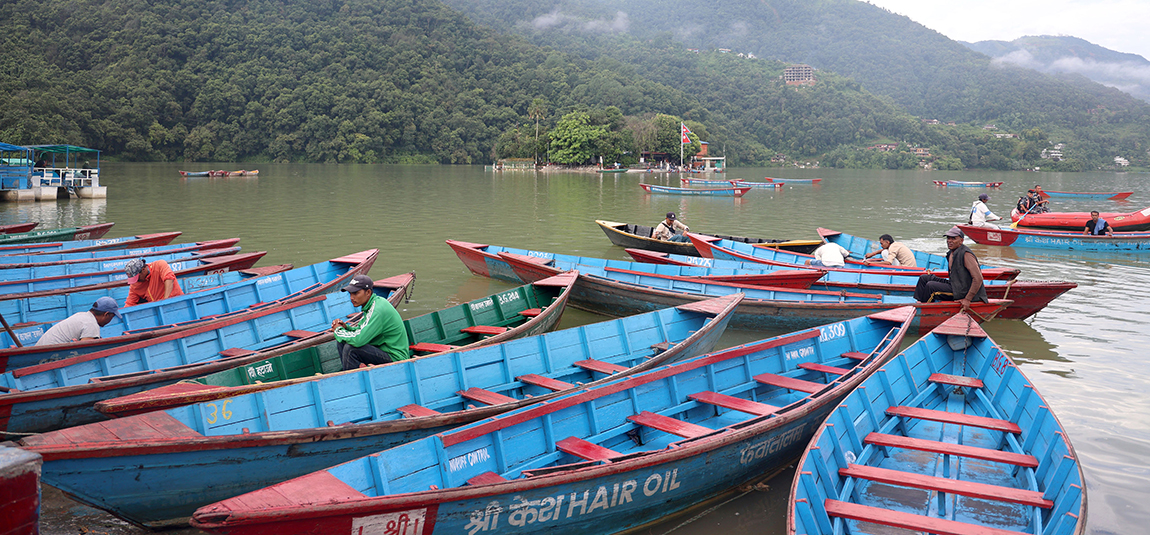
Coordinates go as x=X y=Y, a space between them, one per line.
x=684 y=132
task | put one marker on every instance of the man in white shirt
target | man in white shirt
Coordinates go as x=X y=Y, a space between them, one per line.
x=671 y=229
x=82 y=325
x=980 y=215
x=829 y=255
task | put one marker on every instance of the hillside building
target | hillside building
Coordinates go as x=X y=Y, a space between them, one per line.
x=799 y=75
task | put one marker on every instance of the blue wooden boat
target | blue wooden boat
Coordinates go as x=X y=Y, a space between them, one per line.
x=45 y=259
x=79 y=282
x=158 y=466
x=196 y=173
x=619 y=293
x=729 y=191
x=1086 y=195
x=692 y=181
x=1119 y=242
x=149 y=320
x=59 y=394
x=75 y=246
x=605 y=459
x=758 y=185
x=961 y=184
x=505 y=315
x=1028 y=297
x=859 y=247
x=794 y=180
x=949 y=437
x=56 y=270
x=711 y=247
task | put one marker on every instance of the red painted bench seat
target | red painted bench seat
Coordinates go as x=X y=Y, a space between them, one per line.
x=585 y=450
x=899 y=519
x=809 y=387
x=415 y=411
x=486 y=396
x=814 y=366
x=941 y=484
x=428 y=347
x=545 y=382
x=600 y=366
x=486 y=478
x=489 y=330
x=934 y=446
x=955 y=380
x=953 y=418
x=531 y=312
x=669 y=425
x=732 y=402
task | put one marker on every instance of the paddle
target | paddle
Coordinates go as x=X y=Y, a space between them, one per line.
x=1014 y=225
x=10 y=333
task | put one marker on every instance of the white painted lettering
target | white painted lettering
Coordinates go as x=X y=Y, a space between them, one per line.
x=648 y=488
x=600 y=501
x=581 y=503
x=628 y=488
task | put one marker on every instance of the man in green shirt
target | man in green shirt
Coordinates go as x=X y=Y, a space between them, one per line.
x=378 y=337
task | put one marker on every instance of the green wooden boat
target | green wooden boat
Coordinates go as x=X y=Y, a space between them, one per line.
x=524 y=311
x=90 y=232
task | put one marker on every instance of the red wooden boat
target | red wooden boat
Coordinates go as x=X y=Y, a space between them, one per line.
x=142 y=240
x=80 y=258
x=19 y=491
x=18 y=227
x=1076 y=221
x=1095 y=195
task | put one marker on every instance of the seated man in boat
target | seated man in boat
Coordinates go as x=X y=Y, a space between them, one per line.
x=893 y=253
x=150 y=282
x=670 y=229
x=980 y=215
x=829 y=254
x=82 y=325
x=964 y=279
x=1097 y=226
x=379 y=337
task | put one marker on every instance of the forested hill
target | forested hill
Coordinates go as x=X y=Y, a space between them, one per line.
x=293 y=80
x=921 y=70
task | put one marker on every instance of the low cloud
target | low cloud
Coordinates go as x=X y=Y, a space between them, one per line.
x=1127 y=76
x=558 y=20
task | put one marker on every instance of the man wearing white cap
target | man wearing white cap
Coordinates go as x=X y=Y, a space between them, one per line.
x=379 y=337
x=82 y=325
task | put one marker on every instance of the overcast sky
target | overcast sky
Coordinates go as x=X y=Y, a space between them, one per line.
x=1121 y=25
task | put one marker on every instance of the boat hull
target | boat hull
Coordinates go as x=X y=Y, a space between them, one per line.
x=1087 y=195
x=1076 y=221
x=639 y=237
x=733 y=191
x=961 y=184
x=80 y=246
x=1062 y=241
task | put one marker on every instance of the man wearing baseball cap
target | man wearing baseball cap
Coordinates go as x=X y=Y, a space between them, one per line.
x=964 y=283
x=82 y=325
x=671 y=229
x=378 y=337
x=150 y=282
x=980 y=214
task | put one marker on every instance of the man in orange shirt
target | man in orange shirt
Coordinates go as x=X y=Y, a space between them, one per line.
x=150 y=282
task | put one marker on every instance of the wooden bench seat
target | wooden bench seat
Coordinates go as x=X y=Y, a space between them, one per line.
x=814 y=366
x=855 y=355
x=934 y=446
x=800 y=385
x=428 y=347
x=911 y=521
x=585 y=450
x=732 y=402
x=486 y=478
x=669 y=425
x=299 y=333
x=953 y=418
x=981 y=491
x=545 y=382
x=955 y=380
x=486 y=396
x=531 y=312
x=600 y=366
x=415 y=411
x=488 y=330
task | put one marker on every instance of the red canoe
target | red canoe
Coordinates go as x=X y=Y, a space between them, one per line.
x=1120 y=222
x=18 y=227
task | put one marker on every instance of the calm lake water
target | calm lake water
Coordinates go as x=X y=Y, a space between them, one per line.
x=1086 y=352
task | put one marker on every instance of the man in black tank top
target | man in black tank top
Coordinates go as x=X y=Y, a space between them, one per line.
x=965 y=283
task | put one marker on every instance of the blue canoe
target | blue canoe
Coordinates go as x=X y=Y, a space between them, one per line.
x=149 y=320
x=43 y=259
x=605 y=459
x=949 y=437
x=285 y=432
x=730 y=191
x=688 y=181
x=76 y=246
x=758 y=185
x=40 y=271
x=59 y=394
x=1119 y=242
x=1087 y=195
x=795 y=180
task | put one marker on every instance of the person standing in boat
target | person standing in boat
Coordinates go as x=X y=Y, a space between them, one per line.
x=893 y=253
x=1098 y=226
x=965 y=276
x=379 y=337
x=150 y=282
x=671 y=229
x=980 y=215
x=82 y=325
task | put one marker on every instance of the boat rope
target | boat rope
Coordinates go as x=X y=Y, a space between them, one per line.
x=15 y=434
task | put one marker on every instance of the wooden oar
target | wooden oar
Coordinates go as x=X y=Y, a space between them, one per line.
x=15 y=340
x=1014 y=225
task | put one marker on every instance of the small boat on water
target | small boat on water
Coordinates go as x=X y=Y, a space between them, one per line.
x=507 y=315
x=1086 y=195
x=859 y=247
x=1028 y=297
x=604 y=459
x=730 y=191
x=961 y=184
x=52 y=259
x=711 y=247
x=243 y=172
x=18 y=227
x=692 y=181
x=296 y=429
x=89 y=232
x=80 y=246
x=61 y=270
x=1076 y=221
x=639 y=236
x=612 y=170
x=60 y=394
x=196 y=173
x=1130 y=242
x=794 y=180
x=758 y=185
x=949 y=437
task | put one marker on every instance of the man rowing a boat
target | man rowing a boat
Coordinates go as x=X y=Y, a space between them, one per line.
x=379 y=337
x=980 y=215
x=670 y=229
x=965 y=276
